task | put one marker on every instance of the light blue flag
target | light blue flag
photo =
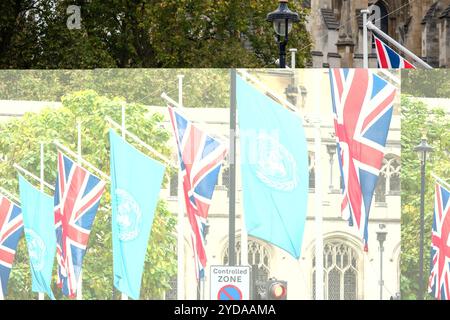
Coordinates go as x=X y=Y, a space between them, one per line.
x=39 y=227
x=274 y=164
x=135 y=184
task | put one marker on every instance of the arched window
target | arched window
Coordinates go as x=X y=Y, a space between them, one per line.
x=258 y=258
x=379 y=16
x=341 y=268
x=389 y=178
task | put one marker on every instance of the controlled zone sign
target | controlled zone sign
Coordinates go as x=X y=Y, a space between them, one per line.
x=230 y=283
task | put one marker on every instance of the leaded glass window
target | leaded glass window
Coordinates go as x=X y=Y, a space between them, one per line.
x=341 y=269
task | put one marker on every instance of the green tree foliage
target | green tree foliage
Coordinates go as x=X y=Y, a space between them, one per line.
x=19 y=142
x=432 y=84
x=418 y=119
x=201 y=87
x=146 y=33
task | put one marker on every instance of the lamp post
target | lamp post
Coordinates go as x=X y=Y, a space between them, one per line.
x=422 y=149
x=381 y=237
x=282 y=20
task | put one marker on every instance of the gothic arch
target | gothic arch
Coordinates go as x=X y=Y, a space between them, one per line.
x=343 y=266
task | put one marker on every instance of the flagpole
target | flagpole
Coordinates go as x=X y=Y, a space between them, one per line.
x=28 y=173
x=166 y=160
x=80 y=280
x=446 y=184
x=11 y=197
x=372 y=27
x=173 y=103
x=232 y=164
x=84 y=161
x=365 y=12
x=180 y=216
x=41 y=294
x=318 y=199
x=244 y=234
x=123 y=128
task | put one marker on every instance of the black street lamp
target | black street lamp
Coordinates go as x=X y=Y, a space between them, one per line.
x=381 y=237
x=282 y=20
x=422 y=149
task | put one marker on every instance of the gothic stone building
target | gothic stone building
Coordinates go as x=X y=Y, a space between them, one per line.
x=336 y=29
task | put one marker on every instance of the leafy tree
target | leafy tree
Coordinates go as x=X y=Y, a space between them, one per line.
x=432 y=83
x=201 y=87
x=19 y=142
x=146 y=33
x=418 y=119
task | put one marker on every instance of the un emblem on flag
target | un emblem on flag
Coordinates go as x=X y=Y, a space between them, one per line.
x=275 y=165
x=129 y=216
x=36 y=249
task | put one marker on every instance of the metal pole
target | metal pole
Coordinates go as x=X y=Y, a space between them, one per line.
x=232 y=163
x=318 y=198
x=180 y=217
x=365 y=12
x=293 y=51
x=123 y=295
x=422 y=222
x=282 y=55
x=80 y=280
x=41 y=294
x=123 y=121
x=381 y=270
x=372 y=27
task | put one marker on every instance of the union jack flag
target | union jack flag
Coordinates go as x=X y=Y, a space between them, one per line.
x=439 y=279
x=388 y=58
x=77 y=197
x=201 y=158
x=362 y=106
x=11 y=228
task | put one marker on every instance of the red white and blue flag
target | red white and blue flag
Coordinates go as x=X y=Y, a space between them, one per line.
x=438 y=284
x=77 y=197
x=362 y=106
x=11 y=228
x=388 y=58
x=201 y=158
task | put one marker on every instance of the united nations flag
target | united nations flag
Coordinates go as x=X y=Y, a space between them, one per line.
x=274 y=164
x=39 y=226
x=135 y=184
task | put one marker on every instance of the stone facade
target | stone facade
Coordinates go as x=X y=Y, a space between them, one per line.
x=336 y=30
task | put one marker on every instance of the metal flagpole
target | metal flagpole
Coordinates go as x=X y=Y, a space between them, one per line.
x=365 y=12
x=11 y=197
x=180 y=217
x=232 y=164
x=318 y=199
x=201 y=124
x=244 y=234
x=28 y=173
x=446 y=184
x=84 y=161
x=138 y=141
x=41 y=294
x=80 y=280
x=124 y=296
x=372 y=27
